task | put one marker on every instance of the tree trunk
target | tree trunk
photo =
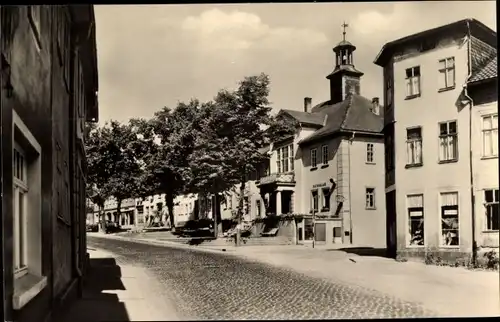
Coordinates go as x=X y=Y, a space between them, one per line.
x=118 y=211
x=169 y=199
x=240 y=210
x=101 y=218
x=216 y=214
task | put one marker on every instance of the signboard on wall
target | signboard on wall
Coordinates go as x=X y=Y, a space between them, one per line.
x=319 y=185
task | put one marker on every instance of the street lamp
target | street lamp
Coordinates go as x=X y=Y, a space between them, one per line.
x=332 y=188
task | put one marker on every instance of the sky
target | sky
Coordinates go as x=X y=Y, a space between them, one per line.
x=151 y=56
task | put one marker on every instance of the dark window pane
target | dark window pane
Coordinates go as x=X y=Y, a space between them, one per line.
x=497 y=196
x=414 y=133
x=409 y=73
x=416 y=71
x=443 y=128
x=488 y=195
x=452 y=127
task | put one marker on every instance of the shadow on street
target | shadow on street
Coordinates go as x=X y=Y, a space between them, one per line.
x=365 y=251
x=99 y=301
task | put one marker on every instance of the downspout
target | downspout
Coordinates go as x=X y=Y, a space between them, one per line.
x=471 y=173
x=349 y=181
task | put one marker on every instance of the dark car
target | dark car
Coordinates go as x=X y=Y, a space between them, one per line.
x=92 y=228
x=111 y=227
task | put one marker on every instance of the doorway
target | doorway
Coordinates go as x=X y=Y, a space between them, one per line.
x=337 y=235
x=320 y=232
x=391 y=223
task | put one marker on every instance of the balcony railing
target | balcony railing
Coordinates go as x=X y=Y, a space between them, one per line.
x=277 y=178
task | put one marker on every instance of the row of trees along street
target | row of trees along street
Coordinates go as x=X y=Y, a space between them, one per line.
x=201 y=148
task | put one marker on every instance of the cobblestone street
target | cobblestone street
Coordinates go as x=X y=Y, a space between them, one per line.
x=205 y=285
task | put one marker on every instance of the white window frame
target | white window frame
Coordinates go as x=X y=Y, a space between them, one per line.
x=413 y=81
x=488 y=205
x=324 y=154
x=446 y=70
x=21 y=216
x=448 y=142
x=412 y=212
x=492 y=131
x=291 y=157
x=314 y=158
x=315 y=200
x=414 y=155
x=370 y=153
x=284 y=159
x=370 y=205
x=442 y=241
x=31 y=250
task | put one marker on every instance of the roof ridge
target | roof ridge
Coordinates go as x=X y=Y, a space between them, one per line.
x=350 y=98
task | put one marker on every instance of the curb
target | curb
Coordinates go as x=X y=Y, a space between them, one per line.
x=165 y=244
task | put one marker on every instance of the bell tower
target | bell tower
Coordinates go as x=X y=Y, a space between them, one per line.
x=345 y=78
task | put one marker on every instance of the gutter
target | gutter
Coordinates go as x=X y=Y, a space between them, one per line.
x=349 y=180
x=471 y=173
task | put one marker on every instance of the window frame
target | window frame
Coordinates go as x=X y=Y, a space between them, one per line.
x=414 y=143
x=409 y=211
x=314 y=202
x=370 y=152
x=447 y=136
x=367 y=193
x=409 y=81
x=324 y=154
x=488 y=205
x=443 y=71
x=314 y=158
x=20 y=216
x=492 y=131
x=284 y=159
x=326 y=200
x=442 y=209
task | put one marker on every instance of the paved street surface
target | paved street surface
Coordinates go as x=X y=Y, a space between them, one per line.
x=208 y=285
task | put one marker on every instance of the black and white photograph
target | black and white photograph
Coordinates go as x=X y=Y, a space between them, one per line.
x=249 y=161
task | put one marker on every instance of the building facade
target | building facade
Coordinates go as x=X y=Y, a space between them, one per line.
x=441 y=138
x=49 y=90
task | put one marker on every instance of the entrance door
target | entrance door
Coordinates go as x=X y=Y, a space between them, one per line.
x=320 y=232
x=337 y=235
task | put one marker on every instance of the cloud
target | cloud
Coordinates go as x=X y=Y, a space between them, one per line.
x=216 y=30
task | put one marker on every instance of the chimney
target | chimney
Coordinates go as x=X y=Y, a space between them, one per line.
x=307 y=104
x=375 y=106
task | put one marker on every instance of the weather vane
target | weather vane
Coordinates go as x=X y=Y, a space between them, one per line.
x=344 y=25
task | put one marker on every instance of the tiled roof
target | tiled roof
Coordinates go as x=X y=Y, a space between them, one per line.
x=316 y=119
x=352 y=114
x=484 y=61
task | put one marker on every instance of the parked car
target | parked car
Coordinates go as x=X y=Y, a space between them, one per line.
x=111 y=227
x=92 y=228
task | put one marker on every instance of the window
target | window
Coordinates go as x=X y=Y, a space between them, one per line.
x=415 y=204
x=414 y=146
x=326 y=199
x=491 y=198
x=258 y=206
x=285 y=159
x=490 y=135
x=369 y=152
x=246 y=206
x=413 y=81
x=449 y=219
x=389 y=151
x=314 y=200
x=159 y=206
x=324 y=154
x=314 y=160
x=308 y=229
x=447 y=73
x=448 y=145
x=370 y=198
x=20 y=212
x=27 y=216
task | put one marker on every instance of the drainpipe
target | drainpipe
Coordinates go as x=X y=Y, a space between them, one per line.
x=349 y=180
x=472 y=194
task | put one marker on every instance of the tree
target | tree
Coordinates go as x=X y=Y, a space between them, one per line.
x=243 y=116
x=170 y=137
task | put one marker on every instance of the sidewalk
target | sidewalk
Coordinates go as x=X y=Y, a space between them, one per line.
x=452 y=292
x=117 y=292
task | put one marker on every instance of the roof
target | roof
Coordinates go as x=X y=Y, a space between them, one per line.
x=315 y=119
x=351 y=115
x=487 y=72
x=344 y=43
x=477 y=28
x=346 y=69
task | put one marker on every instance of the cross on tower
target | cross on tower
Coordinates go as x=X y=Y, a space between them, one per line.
x=344 y=25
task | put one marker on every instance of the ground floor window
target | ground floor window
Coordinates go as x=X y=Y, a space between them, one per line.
x=314 y=200
x=20 y=213
x=449 y=219
x=415 y=204
x=491 y=201
x=308 y=229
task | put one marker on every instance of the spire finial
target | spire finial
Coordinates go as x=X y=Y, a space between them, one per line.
x=344 y=25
